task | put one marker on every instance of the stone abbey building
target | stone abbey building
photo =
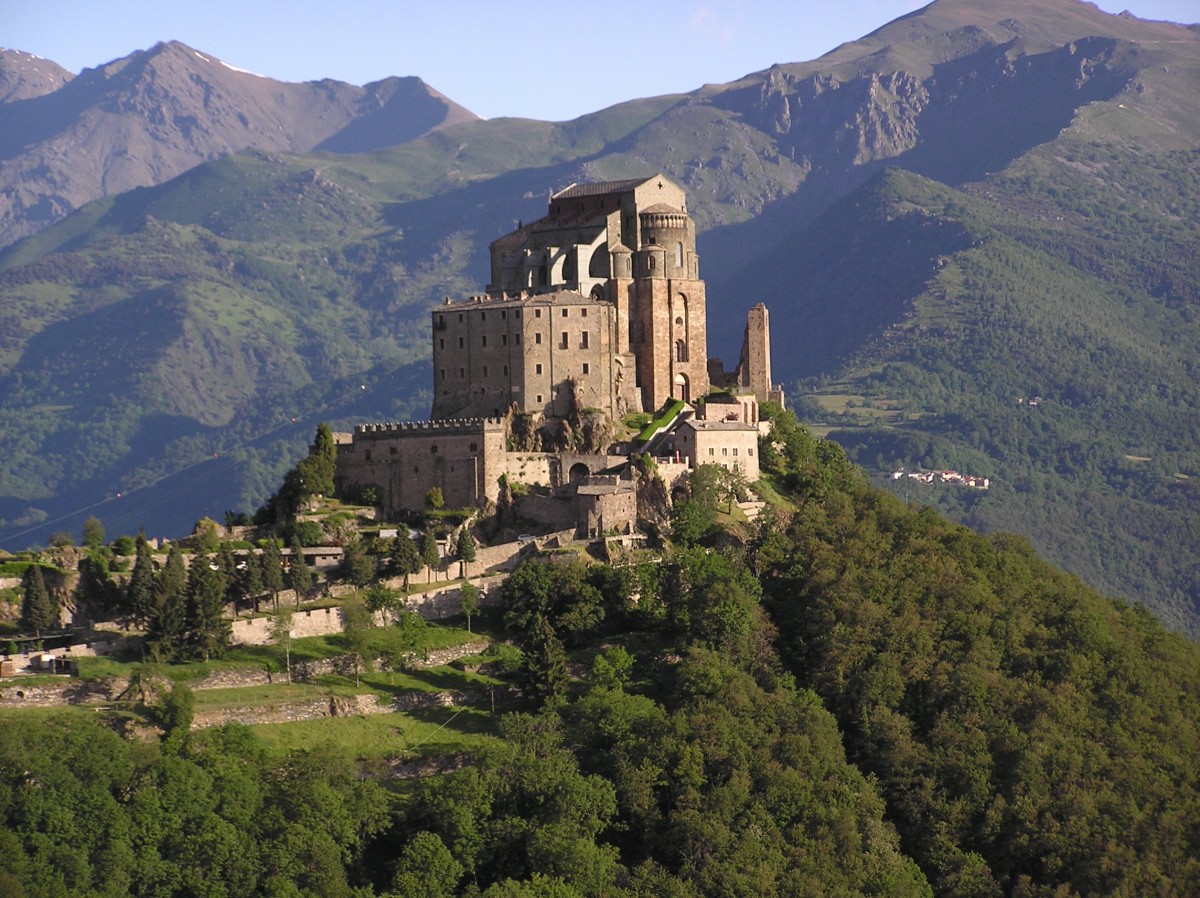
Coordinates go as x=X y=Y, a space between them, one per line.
x=600 y=306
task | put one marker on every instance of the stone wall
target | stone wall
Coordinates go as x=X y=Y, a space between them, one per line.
x=463 y=458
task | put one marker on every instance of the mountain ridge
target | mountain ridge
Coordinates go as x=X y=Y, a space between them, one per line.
x=151 y=115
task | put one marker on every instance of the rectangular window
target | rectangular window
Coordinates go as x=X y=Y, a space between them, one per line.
x=503 y=315
x=734 y=448
x=460 y=317
x=441 y=342
x=749 y=451
x=537 y=338
x=586 y=368
x=583 y=312
x=538 y=370
x=564 y=313
x=583 y=340
x=462 y=373
x=460 y=342
x=517 y=339
x=485 y=374
x=443 y=373
x=506 y=369
x=724 y=451
x=712 y=451
x=516 y=313
x=484 y=338
x=483 y=316
x=565 y=341
x=537 y=313
x=504 y=339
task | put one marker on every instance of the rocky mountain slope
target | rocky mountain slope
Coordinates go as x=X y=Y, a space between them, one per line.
x=154 y=114
x=977 y=204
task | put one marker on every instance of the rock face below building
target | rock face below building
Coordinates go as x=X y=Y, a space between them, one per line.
x=594 y=311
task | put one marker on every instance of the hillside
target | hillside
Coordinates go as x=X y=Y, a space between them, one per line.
x=975 y=204
x=850 y=696
x=147 y=117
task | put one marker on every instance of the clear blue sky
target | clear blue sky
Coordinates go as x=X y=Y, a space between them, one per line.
x=485 y=55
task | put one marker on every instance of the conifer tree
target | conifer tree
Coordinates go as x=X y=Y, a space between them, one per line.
x=545 y=667
x=141 y=596
x=207 y=628
x=173 y=577
x=251 y=580
x=429 y=550
x=464 y=548
x=300 y=574
x=37 y=610
x=167 y=636
x=272 y=571
x=231 y=581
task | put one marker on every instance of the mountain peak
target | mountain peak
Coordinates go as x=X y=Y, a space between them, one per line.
x=24 y=76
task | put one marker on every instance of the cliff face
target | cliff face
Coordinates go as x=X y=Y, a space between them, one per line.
x=145 y=118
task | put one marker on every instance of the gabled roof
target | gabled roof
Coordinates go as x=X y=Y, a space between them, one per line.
x=597 y=188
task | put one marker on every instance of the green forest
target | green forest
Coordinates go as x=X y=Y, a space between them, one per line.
x=852 y=696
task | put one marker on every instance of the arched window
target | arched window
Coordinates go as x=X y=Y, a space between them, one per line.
x=680 y=351
x=678 y=255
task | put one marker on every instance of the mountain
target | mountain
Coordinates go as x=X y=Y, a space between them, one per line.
x=24 y=76
x=977 y=205
x=154 y=114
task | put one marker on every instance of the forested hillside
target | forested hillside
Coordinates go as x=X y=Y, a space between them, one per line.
x=851 y=697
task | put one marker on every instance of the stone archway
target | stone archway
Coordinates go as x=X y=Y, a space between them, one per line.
x=579 y=472
x=681 y=389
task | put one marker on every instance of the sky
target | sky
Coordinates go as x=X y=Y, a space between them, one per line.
x=485 y=55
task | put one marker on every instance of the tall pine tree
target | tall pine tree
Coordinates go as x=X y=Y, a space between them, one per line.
x=141 y=595
x=37 y=610
x=207 y=628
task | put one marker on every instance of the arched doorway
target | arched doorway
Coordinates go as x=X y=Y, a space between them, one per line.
x=579 y=472
x=680 y=389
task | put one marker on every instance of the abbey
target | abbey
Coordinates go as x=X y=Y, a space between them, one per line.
x=599 y=309
x=601 y=298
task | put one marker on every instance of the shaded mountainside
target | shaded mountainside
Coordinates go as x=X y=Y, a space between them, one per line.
x=147 y=117
x=975 y=204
